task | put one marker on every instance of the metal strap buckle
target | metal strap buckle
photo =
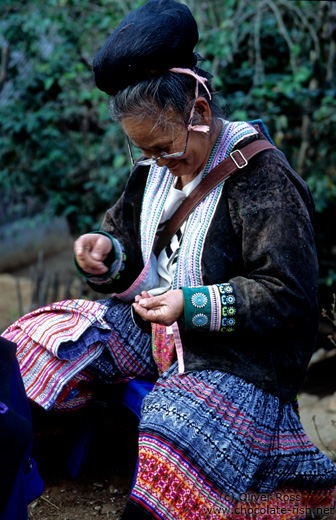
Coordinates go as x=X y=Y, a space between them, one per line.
x=245 y=162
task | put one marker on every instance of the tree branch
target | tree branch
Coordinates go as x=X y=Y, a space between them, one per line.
x=285 y=34
x=4 y=65
x=259 y=76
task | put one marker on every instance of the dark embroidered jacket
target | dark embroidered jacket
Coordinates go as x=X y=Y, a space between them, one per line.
x=260 y=243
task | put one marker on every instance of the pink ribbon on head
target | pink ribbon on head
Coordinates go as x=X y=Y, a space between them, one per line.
x=199 y=79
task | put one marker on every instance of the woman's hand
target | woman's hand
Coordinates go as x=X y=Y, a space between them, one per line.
x=164 y=309
x=91 y=250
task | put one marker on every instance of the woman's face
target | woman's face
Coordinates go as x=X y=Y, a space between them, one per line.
x=153 y=139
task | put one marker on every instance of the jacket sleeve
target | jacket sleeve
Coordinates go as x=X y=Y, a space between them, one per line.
x=121 y=224
x=271 y=213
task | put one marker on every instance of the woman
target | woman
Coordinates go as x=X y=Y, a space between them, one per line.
x=232 y=295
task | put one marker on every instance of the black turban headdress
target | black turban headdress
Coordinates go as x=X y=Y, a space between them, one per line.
x=155 y=37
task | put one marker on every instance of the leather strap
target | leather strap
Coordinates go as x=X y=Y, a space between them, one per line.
x=237 y=160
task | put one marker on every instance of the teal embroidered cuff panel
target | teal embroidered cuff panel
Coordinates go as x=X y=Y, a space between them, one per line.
x=210 y=308
x=114 y=270
x=197 y=308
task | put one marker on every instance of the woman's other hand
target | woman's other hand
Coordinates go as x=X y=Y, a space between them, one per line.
x=90 y=251
x=164 y=309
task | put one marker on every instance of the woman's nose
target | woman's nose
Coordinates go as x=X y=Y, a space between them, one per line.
x=160 y=161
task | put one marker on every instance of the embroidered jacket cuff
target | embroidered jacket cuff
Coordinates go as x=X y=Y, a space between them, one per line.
x=115 y=263
x=209 y=308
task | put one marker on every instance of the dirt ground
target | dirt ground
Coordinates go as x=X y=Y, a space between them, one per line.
x=104 y=481
x=103 y=484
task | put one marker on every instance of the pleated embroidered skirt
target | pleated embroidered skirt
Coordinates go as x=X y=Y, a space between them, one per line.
x=215 y=447
x=211 y=445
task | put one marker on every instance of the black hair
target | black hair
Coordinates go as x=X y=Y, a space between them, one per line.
x=157 y=36
x=133 y=66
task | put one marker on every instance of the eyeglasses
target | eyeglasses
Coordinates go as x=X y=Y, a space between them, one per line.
x=152 y=160
x=163 y=155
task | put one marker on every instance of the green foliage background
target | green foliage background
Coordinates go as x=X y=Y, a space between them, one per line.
x=271 y=59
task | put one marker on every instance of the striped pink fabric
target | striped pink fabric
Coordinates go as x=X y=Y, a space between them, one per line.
x=39 y=336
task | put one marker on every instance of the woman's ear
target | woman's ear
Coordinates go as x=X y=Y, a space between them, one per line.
x=202 y=112
x=200 y=116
